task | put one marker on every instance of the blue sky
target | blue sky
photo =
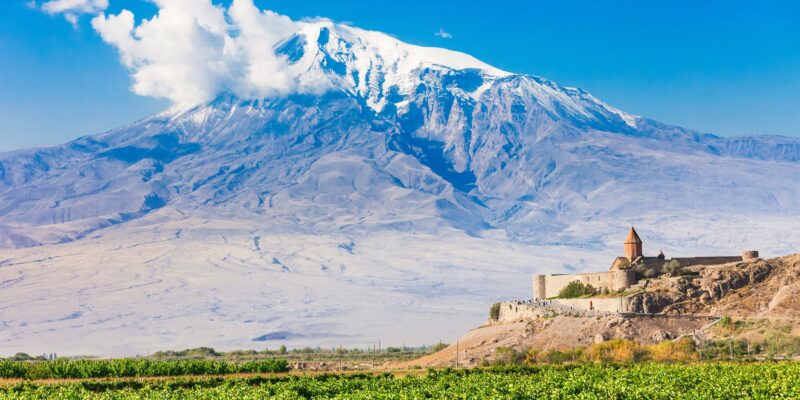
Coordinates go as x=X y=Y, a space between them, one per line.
x=730 y=68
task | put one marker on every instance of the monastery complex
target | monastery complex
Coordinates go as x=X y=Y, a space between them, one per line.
x=626 y=271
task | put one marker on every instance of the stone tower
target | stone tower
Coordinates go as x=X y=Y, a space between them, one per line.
x=633 y=245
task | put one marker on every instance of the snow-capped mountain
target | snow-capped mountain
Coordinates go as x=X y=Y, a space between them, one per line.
x=419 y=186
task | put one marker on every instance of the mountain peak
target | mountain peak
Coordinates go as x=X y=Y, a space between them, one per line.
x=370 y=64
x=366 y=46
x=384 y=70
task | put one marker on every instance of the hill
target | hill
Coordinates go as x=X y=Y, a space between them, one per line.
x=752 y=301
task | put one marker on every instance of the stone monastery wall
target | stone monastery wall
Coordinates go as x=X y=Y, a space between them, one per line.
x=546 y=286
x=690 y=261
x=611 y=305
x=513 y=311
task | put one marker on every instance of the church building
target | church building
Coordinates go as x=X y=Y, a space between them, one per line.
x=626 y=270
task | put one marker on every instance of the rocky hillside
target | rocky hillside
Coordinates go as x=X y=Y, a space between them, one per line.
x=558 y=333
x=760 y=298
x=757 y=288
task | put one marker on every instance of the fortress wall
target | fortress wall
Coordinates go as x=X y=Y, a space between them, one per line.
x=511 y=311
x=611 y=280
x=539 y=287
x=748 y=255
x=690 y=261
x=613 y=305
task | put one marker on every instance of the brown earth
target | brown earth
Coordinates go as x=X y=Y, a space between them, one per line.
x=560 y=332
x=765 y=293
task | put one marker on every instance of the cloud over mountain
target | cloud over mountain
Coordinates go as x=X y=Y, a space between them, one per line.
x=193 y=50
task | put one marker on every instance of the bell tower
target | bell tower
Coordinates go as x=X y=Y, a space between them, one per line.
x=633 y=245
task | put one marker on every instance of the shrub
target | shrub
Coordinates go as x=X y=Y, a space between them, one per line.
x=439 y=347
x=576 y=289
x=674 y=268
x=506 y=356
x=617 y=350
x=534 y=356
x=200 y=352
x=21 y=357
x=643 y=271
x=494 y=312
x=682 y=350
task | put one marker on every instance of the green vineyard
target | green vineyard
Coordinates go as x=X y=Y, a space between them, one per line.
x=121 y=368
x=586 y=381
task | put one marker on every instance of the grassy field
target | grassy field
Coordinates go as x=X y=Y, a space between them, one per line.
x=584 y=381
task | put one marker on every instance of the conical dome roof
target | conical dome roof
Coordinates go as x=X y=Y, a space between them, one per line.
x=633 y=237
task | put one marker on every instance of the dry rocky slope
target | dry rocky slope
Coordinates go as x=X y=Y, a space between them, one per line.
x=757 y=288
x=763 y=290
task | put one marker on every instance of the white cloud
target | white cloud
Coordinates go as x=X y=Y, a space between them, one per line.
x=192 y=50
x=72 y=9
x=443 y=34
x=264 y=73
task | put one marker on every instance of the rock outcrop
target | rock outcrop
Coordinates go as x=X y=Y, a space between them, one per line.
x=750 y=288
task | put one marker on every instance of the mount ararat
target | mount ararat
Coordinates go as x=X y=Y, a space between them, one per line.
x=413 y=188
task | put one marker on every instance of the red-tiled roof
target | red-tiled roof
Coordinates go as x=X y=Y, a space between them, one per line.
x=633 y=237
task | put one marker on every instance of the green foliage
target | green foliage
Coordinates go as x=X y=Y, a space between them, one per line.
x=555 y=357
x=494 y=312
x=200 y=352
x=244 y=353
x=438 y=347
x=586 y=381
x=119 y=368
x=576 y=289
x=21 y=357
x=506 y=356
x=617 y=351
x=674 y=268
x=643 y=271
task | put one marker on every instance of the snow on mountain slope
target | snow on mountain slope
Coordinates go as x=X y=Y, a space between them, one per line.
x=423 y=186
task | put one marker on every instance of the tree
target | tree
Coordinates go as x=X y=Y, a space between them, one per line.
x=494 y=312
x=673 y=267
x=576 y=289
x=282 y=349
